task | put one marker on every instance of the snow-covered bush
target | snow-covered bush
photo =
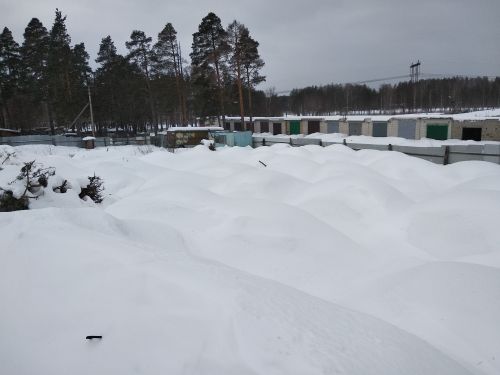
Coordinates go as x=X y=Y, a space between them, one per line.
x=93 y=190
x=29 y=184
x=9 y=202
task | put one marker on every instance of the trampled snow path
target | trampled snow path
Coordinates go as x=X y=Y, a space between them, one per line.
x=326 y=261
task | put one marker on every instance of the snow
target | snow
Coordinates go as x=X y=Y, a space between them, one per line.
x=194 y=128
x=493 y=114
x=362 y=139
x=198 y=262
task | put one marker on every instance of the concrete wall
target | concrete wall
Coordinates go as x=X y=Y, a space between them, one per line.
x=438 y=154
x=344 y=127
x=323 y=127
x=392 y=128
x=367 y=128
x=490 y=129
x=304 y=126
x=256 y=126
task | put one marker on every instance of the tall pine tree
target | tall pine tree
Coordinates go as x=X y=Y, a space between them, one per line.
x=252 y=64
x=234 y=37
x=169 y=62
x=10 y=66
x=209 y=51
x=34 y=53
x=59 y=66
x=141 y=53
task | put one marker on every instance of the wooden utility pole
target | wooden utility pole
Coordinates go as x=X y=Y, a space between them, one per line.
x=91 y=110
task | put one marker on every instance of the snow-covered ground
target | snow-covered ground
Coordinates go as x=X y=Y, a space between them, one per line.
x=363 y=139
x=326 y=261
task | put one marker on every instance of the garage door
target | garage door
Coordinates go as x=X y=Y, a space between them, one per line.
x=379 y=129
x=473 y=134
x=355 y=128
x=313 y=127
x=332 y=127
x=407 y=128
x=437 y=131
x=276 y=128
x=294 y=127
x=264 y=127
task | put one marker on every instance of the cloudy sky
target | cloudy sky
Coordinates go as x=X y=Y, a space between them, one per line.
x=302 y=42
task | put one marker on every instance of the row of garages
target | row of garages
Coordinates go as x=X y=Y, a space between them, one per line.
x=410 y=128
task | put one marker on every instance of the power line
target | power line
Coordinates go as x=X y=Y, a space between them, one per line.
x=408 y=76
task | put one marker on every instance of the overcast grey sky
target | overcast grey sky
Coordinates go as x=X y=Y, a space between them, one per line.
x=302 y=42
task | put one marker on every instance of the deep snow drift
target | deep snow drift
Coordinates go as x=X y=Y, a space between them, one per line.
x=325 y=261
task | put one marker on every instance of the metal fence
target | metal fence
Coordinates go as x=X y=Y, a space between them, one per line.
x=61 y=140
x=441 y=155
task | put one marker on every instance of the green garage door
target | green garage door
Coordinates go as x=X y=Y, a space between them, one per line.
x=294 y=127
x=439 y=132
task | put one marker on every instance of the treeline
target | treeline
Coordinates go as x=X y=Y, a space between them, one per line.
x=47 y=82
x=452 y=94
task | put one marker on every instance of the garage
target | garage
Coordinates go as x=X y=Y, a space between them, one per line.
x=264 y=126
x=437 y=131
x=472 y=134
x=294 y=127
x=379 y=129
x=312 y=127
x=332 y=127
x=276 y=128
x=355 y=128
x=407 y=128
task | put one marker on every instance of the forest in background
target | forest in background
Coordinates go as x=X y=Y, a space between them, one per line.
x=46 y=82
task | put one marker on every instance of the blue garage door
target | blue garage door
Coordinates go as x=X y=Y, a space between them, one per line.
x=379 y=129
x=332 y=127
x=355 y=128
x=406 y=128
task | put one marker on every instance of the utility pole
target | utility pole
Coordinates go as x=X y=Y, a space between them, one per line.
x=414 y=73
x=91 y=110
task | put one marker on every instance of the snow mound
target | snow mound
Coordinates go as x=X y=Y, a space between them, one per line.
x=276 y=260
x=167 y=312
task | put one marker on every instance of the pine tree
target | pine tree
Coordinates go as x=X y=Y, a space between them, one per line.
x=80 y=77
x=141 y=54
x=34 y=53
x=169 y=62
x=107 y=52
x=234 y=35
x=252 y=64
x=10 y=65
x=209 y=50
x=119 y=87
x=59 y=65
